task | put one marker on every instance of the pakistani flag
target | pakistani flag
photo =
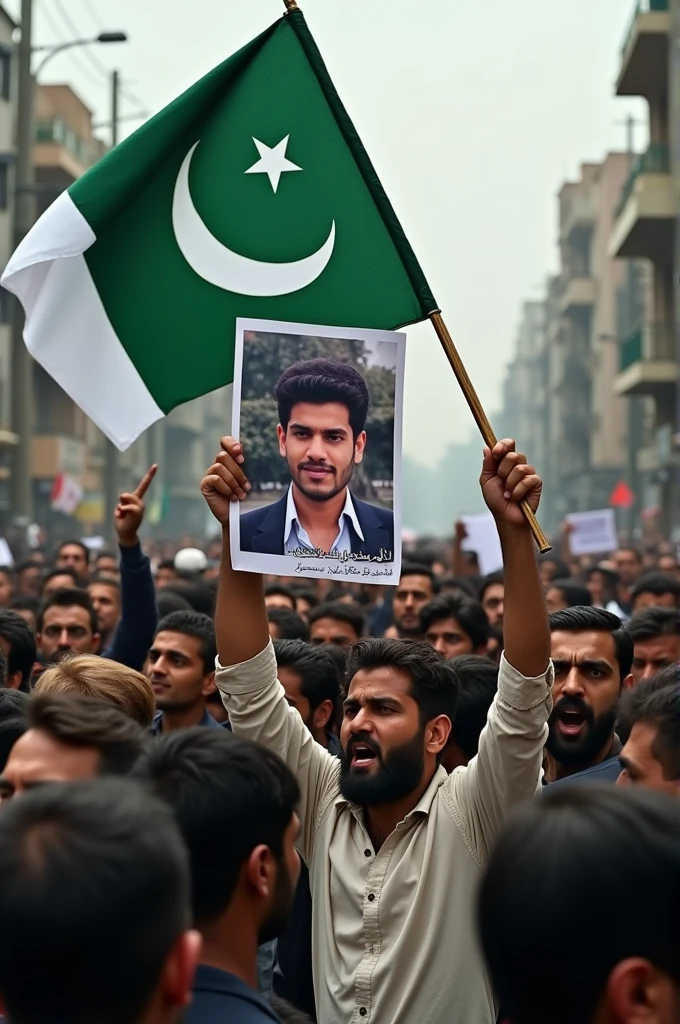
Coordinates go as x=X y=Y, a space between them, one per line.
x=249 y=196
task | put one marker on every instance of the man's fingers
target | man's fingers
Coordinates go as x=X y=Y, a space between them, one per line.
x=501 y=448
x=518 y=474
x=228 y=484
x=232 y=447
x=509 y=462
x=126 y=509
x=525 y=487
x=226 y=460
x=146 y=480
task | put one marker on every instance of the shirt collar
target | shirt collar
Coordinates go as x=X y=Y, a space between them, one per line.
x=424 y=805
x=292 y=516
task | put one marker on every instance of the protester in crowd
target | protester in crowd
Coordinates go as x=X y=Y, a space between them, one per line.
x=74 y=555
x=28 y=577
x=235 y=804
x=494 y=647
x=165 y=573
x=181 y=669
x=60 y=579
x=276 y=595
x=106 y=564
x=655 y=589
x=454 y=624
x=27 y=607
x=552 y=568
x=6 y=586
x=12 y=720
x=17 y=643
x=104 y=680
x=285 y=624
x=168 y=601
x=651 y=718
x=492 y=597
x=94 y=899
x=477 y=686
x=668 y=563
x=465 y=585
x=628 y=564
x=388 y=881
x=199 y=594
x=592 y=654
x=656 y=641
x=311 y=679
x=70 y=738
x=336 y=623
x=67 y=624
x=417 y=586
x=566 y=593
x=105 y=595
x=305 y=600
x=604 y=586
x=576 y=857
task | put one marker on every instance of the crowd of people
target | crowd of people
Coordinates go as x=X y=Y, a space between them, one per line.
x=229 y=798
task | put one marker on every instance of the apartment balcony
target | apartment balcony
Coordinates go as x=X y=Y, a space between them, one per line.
x=647 y=364
x=645 y=214
x=644 y=55
x=52 y=454
x=580 y=293
x=578 y=215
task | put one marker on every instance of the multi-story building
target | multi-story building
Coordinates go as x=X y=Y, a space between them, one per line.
x=644 y=229
x=7 y=148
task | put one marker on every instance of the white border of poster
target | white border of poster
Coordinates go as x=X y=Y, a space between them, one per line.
x=383 y=567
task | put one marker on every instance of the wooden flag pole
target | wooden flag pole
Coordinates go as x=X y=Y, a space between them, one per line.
x=480 y=416
x=467 y=388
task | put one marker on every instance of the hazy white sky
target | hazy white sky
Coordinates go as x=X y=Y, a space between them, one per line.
x=473 y=112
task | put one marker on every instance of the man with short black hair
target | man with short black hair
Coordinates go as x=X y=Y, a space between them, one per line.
x=70 y=738
x=75 y=555
x=336 y=623
x=492 y=597
x=592 y=654
x=285 y=624
x=235 y=804
x=454 y=624
x=105 y=594
x=655 y=589
x=67 y=624
x=278 y=596
x=17 y=642
x=12 y=721
x=477 y=687
x=567 y=593
x=417 y=585
x=564 y=864
x=94 y=902
x=651 y=718
x=311 y=680
x=28 y=575
x=655 y=633
x=60 y=579
x=181 y=669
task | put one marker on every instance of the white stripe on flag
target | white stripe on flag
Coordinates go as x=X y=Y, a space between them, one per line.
x=67 y=329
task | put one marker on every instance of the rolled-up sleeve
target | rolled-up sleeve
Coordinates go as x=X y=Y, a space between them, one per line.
x=258 y=710
x=507 y=768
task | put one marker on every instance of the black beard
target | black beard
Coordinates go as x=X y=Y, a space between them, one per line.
x=580 y=752
x=340 y=484
x=281 y=906
x=399 y=774
x=174 y=705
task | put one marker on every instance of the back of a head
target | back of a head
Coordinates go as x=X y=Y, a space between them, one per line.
x=342 y=612
x=289 y=625
x=168 y=600
x=468 y=613
x=94 y=893
x=80 y=721
x=13 y=723
x=319 y=381
x=657 y=703
x=574 y=594
x=319 y=671
x=477 y=686
x=195 y=592
x=22 y=654
x=229 y=795
x=596 y=620
x=104 y=680
x=577 y=858
x=653 y=622
x=656 y=583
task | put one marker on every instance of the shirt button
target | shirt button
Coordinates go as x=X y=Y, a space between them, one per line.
x=371 y=897
x=363 y=1011
x=367 y=853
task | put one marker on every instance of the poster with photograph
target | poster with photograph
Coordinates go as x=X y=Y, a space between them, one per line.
x=319 y=413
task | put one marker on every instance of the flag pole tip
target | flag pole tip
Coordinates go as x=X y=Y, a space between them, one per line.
x=291 y=5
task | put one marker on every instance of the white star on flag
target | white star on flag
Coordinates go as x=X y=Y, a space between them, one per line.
x=272 y=161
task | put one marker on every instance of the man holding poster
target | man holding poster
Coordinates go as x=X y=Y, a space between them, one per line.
x=322 y=407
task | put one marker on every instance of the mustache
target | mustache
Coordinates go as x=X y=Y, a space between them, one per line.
x=316 y=466
x=573 y=704
x=360 y=739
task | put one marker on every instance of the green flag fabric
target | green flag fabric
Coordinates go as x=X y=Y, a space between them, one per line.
x=250 y=195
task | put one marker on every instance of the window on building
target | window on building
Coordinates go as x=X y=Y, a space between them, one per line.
x=5 y=71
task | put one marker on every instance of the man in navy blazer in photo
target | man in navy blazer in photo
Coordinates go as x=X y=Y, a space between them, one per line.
x=323 y=405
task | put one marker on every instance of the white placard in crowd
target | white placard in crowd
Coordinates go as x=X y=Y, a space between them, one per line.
x=593 y=532
x=482 y=537
x=5 y=553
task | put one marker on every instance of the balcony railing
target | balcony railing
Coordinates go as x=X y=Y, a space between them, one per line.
x=641 y=7
x=656 y=160
x=653 y=342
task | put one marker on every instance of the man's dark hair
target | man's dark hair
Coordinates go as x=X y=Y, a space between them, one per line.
x=319 y=381
x=575 y=594
x=7 y=571
x=25 y=602
x=650 y=623
x=477 y=686
x=463 y=584
x=27 y=563
x=74 y=543
x=108 y=581
x=561 y=568
x=199 y=595
x=580 y=853
x=166 y=563
x=419 y=569
x=319 y=672
x=489 y=580
x=657 y=703
x=290 y=624
x=94 y=893
x=434 y=682
x=468 y=613
x=597 y=620
x=229 y=795
x=12 y=721
x=279 y=589
x=22 y=650
x=632 y=549
x=340 y=610
x=68 y=597
x=79 y=721
x=106 y=553
x=168 y=601
x=66 y=570
x=306 y=594
x=656 y=583
x=193 y=624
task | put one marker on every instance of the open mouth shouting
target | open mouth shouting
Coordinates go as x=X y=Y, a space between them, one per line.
x=362 y=755
x=571 y=719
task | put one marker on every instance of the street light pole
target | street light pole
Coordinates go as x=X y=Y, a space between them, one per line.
x=110 y=450
x=24 y=217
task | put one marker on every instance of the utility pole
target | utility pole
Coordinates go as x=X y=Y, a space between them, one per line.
x=110 y=450
x=24 y=218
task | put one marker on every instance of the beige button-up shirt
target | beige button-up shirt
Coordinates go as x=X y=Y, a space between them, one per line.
x=393 y=932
